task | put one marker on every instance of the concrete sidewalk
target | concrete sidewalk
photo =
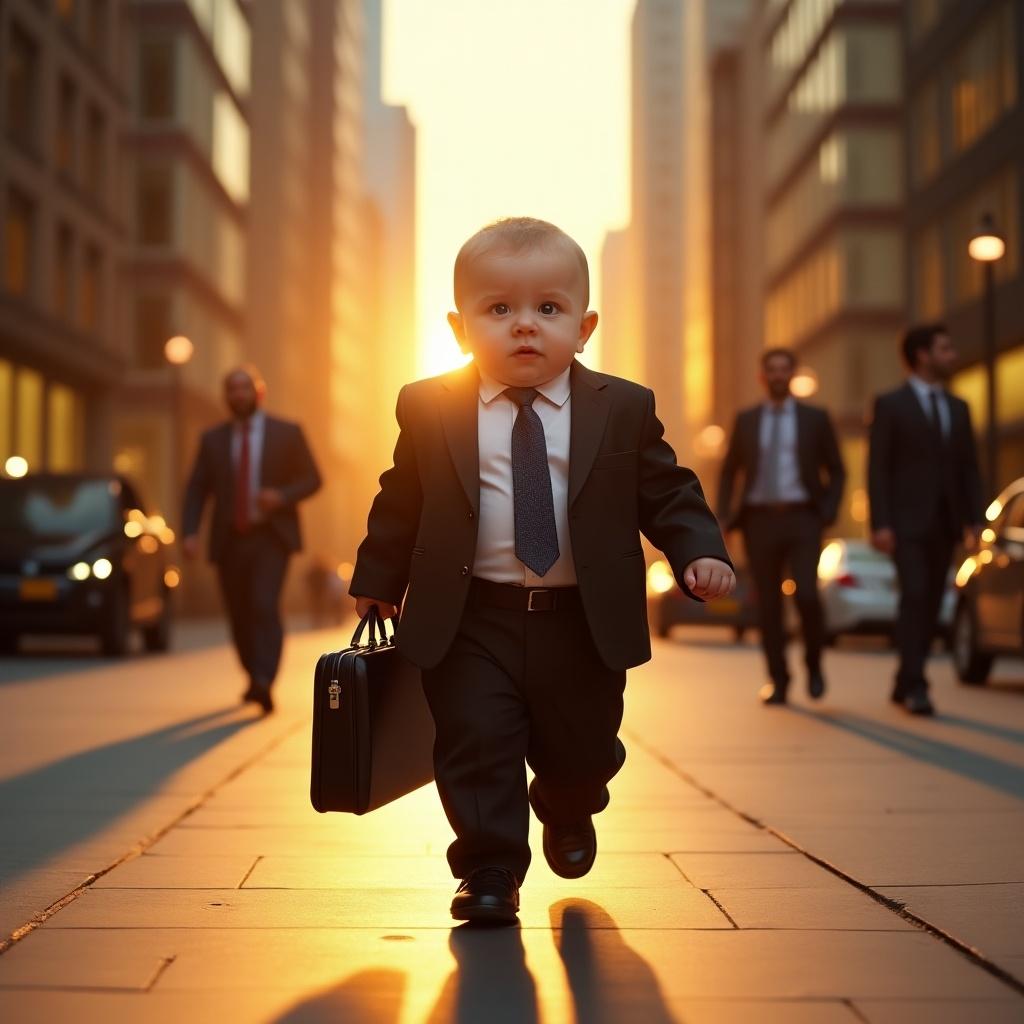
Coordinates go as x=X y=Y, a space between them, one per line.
x=839 y=862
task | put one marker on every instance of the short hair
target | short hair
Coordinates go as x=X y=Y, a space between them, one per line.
x=918 y=339
x=250 y=370
x=515 y=234
x=771 y=353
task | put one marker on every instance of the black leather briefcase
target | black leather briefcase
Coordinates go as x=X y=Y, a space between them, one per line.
x=373 y=736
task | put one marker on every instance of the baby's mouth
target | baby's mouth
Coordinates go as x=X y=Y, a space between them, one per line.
x=526 y=351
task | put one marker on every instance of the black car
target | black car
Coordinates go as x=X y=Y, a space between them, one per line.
x=990 y=611
x=78 y=554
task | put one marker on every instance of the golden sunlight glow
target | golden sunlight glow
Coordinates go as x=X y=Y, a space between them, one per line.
x=102 y=568
x=805 y=382
x=178 y=350
x=710 y=441
x=16 y=466
x=528 y=115
x=993 y=511
x=965 y=572
x=986 y=248
x=659 y=578
x=79 y=571
x=149 y=545
x=988 y=535
x=986 y=556
x=132 y=529
x=831 y=561
x=345 y=570
x=789 y=587
x=171 y=577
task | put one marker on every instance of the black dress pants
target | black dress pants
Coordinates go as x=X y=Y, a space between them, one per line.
x=922 y=567
x=776 y=539
x=251 y=570
x=518 y=688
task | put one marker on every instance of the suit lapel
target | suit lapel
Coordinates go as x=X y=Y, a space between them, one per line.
x=459 y=404
x=755 y=443
x=920 y=416
x=588 y=416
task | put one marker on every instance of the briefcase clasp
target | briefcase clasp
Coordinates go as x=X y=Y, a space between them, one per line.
x=334 y=692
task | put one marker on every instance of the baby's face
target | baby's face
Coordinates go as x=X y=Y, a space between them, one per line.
x=522 y=315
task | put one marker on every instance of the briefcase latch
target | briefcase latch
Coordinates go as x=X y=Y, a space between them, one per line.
x=334 y=692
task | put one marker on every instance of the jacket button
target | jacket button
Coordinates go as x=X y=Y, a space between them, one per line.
x=464 y=570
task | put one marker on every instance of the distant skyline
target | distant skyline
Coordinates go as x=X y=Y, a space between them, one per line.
x=521 y=108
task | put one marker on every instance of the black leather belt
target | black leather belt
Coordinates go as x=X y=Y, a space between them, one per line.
x=522 y=599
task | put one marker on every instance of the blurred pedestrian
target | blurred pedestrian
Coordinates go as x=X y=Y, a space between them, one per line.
x=257 y=469
x=925 y=494
x=793 y=478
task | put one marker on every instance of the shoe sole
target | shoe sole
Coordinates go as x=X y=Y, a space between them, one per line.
x=486 y=915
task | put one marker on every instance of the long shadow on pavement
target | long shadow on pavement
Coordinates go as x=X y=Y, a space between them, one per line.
x=51 y=808
x=989 y=771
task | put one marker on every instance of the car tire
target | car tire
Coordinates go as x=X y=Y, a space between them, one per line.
x=116 y=631
x=156 y=638
x=972 y=664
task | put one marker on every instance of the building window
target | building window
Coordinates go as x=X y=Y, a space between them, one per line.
x=95 y=147
x=923 y=15
x=63 y=429
x=92 y=289
x=156 y=79
x=925 y=133
x=928 y=275
x=63 y=273
x=984 y=78
x=153 y=211
x=67 y=104
x=19 y=243
x=6 y=409
x=22 y=75
x=152 y=329
x=28 y=417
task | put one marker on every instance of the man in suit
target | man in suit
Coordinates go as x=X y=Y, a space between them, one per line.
x=926 y=495
x=793 y=479
x=513 y=513
x=257 y=469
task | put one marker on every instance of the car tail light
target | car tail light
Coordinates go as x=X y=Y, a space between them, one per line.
x=847 y=580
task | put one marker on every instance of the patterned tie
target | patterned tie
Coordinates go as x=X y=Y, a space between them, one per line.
x=536 y=537
x=242 y=483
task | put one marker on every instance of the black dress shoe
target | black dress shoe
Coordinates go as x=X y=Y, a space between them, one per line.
x=917 y=703
x=816 y=686
x=570 y=849
x=261 y=696
x=488 y=896
x=773 y=693
x=251 y=696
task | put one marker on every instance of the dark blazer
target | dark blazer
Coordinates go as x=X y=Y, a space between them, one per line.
x=821 y=466
x=908 y=474
x=623 y=480
x=286 y=465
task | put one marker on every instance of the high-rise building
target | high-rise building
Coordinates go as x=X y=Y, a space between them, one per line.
x=965 y=159
x=62 y=344
x=617 y=333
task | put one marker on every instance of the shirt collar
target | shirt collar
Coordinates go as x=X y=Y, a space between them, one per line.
x=556 y=390
x=922 y=387
x=787 y=406
x=255 y=422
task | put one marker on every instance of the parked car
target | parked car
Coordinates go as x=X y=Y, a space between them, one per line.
x=860 y=592
x=990 y=611
x=668 y=606
x=78 y=554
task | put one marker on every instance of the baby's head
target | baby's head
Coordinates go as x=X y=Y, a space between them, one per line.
x=521 y=291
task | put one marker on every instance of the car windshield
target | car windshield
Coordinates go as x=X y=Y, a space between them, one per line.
x=56 y=509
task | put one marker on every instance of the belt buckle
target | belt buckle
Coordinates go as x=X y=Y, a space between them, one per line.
x=529 y=600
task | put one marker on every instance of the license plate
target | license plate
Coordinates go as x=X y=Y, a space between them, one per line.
x=38 y=590
x=725 y=606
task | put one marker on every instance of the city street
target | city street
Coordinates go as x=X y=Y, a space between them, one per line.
x=835 y=862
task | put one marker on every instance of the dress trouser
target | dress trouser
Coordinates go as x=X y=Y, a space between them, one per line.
x=922 y=567
x=774 y=540
x=252 y=569
x=517 y=688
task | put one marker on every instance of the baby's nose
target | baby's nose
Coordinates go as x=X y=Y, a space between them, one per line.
x=524 y=323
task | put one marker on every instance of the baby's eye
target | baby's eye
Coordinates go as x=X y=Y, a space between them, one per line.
x=501 y=308
x=548 y=308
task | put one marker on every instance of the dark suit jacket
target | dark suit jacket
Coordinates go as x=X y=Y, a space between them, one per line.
x=821 y=466
x=909 y=475
x=623 y=480
x=286 y=465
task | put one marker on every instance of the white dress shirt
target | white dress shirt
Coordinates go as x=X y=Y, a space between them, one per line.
x=255 y=424
x=496 y=542
x=788 y=487
x=924 y=391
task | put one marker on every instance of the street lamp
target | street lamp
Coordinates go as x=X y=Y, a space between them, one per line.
x=987 y=247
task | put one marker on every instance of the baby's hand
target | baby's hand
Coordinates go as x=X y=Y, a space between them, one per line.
x=709 y=578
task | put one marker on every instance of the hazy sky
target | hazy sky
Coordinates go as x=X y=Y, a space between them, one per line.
x=521 y=108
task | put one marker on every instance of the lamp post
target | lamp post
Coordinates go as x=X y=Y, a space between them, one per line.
x=987 y=246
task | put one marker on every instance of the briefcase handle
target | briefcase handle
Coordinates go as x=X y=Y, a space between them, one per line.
x=375 y=620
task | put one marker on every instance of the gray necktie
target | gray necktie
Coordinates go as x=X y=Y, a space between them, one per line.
x=773 y=454
x=936 y=415
x=536 y=537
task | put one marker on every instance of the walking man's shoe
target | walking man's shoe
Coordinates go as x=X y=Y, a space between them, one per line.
x=773 y=693
x=261 y=696
x=569 y=849
x=487 y=896
x=816 y=685
x=917 y=703
x=251 y=696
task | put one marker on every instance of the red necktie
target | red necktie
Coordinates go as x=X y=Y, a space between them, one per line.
x=242 y=483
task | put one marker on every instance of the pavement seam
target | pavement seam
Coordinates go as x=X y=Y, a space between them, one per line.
x=252 y=868
x=161 y=967
x=975 y=956
x=144 y=844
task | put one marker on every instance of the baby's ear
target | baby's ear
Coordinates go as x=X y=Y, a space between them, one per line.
x=458 y=326
x=587 y=326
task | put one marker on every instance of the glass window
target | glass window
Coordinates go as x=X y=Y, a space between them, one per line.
x=230 y=147
x=925 y=133
x=19 y=243
x=95 y=148
x=928 y=275
x=92 y=289
x=67 y=105
x=152 y=329
x=6 y=408
x=57 y=509
x=22 y=75
x=154 y=199
x=156 y=78
x=63 y=273
x=28 y=417
x=63 y=429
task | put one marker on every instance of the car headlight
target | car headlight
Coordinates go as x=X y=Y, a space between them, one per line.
x=80 y=571
x=102 y=568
